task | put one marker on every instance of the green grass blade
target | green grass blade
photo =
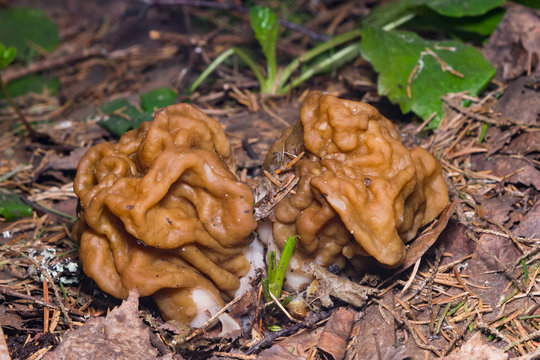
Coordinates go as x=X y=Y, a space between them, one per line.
x=316 y=51
x=220 y=59
x=283 y=264
x=343 y=55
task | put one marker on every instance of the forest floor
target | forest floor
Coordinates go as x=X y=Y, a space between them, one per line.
x=480 y=276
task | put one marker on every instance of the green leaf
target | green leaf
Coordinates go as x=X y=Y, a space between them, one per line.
x=459 y=8
x=26 y=30
x=530 y=3
x=271 y=266
x=398 y=12
x=266 y=27
x=117 y=104
x=6 y=56
x=12 y=207
x=283 y=264
x=394 y=55
x=32 y=84
x=275 y=275
x=158 y=98
x=118 y=125
x=122 y=116
x=482 y=25
x=392 y=11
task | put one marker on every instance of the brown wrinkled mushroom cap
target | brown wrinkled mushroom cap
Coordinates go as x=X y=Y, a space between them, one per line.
x=361 y=192
x=162 y=212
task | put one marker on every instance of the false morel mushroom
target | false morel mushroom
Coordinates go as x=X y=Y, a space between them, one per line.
x=361 y=194
x=163 y=212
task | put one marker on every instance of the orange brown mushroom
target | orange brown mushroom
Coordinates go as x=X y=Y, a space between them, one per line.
x=162 y=212
x=361 y=192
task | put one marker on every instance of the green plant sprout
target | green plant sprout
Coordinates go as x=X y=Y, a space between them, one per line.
x=266 y=27
x=273 y=283
x=6 y=58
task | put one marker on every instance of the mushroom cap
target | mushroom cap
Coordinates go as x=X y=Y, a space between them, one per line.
x=163 y=212
x=361 y=191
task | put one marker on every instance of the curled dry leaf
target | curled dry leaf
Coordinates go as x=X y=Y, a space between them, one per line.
x=428 y=237
x=336 y=333
x=341 y=288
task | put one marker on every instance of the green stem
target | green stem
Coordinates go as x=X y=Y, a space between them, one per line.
x=402 y=20
x=271 y=74
x=349 y=51
x=283 y=264
x=57 y=212
x=15 y=107
x=317 y=50
x=221 y=58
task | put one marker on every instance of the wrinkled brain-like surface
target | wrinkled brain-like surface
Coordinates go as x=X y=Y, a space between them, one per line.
x=162 y=211
x=361 y=192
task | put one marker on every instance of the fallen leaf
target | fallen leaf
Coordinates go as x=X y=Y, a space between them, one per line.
x=297 y=346
x=10 y=320
x=336 y=333
x=476 y=348
x=530 y=223
x=524 y=144
x=496 y=138
x=512 y=169
x=427 y=238
x=120 y=335
x=498 y=208
x=341 y=288
x=4 y=352
x=519 y=103
x=514 y=43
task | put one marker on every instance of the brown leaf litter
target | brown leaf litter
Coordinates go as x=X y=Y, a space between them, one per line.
x=119 y=335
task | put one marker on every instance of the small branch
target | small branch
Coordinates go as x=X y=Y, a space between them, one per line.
x=213 y=318
x=534 y=335
x=52 y=63
x=7 y=291
x=276 y=301
x=269 y=339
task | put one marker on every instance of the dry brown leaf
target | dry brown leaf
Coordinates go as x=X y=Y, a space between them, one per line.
x=475 y=348
x=294 y=347
x=515 y=42
x=336 y=333
x=10 y=320
x=530 y=224
x=120 y=335
x=422 y=243
x=341 y=288
x=4 y=353
x=511 y=169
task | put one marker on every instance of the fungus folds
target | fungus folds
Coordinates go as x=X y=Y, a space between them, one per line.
x=162 y=212
x=361 y=193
